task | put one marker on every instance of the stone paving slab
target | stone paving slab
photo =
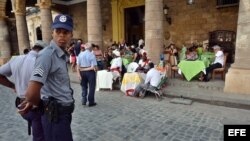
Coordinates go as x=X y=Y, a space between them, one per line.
x=121 y=118
x=181 y=101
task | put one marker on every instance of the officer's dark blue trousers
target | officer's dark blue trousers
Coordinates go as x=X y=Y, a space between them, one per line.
x=37 y=129
x=88 y=79
x=57 y=131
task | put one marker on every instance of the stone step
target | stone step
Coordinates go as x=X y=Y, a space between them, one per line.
x=206 y=92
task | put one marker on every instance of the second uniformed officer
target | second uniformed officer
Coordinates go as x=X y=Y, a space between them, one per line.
x=50 y=80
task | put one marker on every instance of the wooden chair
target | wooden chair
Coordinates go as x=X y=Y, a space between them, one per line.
x=173 y=66
x=222 y=70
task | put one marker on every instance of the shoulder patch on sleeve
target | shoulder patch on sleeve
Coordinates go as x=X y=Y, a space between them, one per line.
x=38 y=72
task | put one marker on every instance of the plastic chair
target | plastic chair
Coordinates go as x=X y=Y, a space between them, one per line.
x=157 y=90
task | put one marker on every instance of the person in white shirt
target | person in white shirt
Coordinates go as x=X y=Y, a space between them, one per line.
x=144 y=64
x=21 y=68
x=152 y=80
x=116 y=65
x=218 y=63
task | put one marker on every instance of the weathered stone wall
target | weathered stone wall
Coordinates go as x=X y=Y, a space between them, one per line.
x=79 y=13
x=107 y=22
x=192 y=23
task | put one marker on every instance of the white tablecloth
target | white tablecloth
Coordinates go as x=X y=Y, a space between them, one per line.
x=104 y=80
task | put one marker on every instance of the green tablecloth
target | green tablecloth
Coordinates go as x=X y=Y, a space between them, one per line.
x=126 y=61
x=191 y=68
x=208 y=58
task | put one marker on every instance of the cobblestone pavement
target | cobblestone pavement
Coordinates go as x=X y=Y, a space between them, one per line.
x=121 y=118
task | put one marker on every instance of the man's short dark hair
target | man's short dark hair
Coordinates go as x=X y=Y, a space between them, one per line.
x=151 y=65
x=26 y=51
x=141 y=46
x=37 y=47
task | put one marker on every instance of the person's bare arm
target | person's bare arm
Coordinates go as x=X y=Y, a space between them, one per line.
x=6 y=82
x=32 y=97
x=78 y=72
x=33 y=92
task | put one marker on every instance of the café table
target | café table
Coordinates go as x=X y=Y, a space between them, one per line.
x=191 y=68
x=104 y=80
x=131 y=80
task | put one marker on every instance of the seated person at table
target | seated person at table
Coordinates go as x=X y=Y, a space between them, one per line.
x=116 y=64
x=136 y=55
x=191 y=54
x=128 y=52
x=132 y=67
x=218 y=63
x=108 y=57
x=152 y=80
x=99 y=57
x=174 y=53
x=144 y=63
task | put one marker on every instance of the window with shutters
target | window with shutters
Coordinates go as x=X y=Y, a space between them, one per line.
x=227 y=3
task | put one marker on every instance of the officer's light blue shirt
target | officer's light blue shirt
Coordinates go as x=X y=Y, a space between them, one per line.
x=51 y=70
x=86 y=59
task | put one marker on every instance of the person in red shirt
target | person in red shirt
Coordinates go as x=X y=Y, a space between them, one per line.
x=72 y=56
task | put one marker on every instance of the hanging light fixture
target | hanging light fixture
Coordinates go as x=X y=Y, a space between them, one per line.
x=165 y=9
x=165 y=12
x=190 y=2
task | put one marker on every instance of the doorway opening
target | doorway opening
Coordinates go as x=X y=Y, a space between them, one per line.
x=39 y=33
x=134 y=24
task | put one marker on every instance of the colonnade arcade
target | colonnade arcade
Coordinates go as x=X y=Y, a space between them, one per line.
x=237 y=78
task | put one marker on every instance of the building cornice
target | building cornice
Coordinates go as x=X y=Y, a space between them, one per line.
x=67 y=3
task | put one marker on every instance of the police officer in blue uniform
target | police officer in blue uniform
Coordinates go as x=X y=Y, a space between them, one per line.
x=50 y=81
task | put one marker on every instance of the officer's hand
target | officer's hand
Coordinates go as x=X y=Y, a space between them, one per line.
x=24 y=107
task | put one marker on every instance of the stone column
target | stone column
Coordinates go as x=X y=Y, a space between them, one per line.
x=46 y=19
x=154 y=29
x=238 y=76
x=4 y=42
x=21 y=25
x=94 y=22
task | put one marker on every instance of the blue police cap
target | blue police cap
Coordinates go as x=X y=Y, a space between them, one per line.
x=63 y=21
